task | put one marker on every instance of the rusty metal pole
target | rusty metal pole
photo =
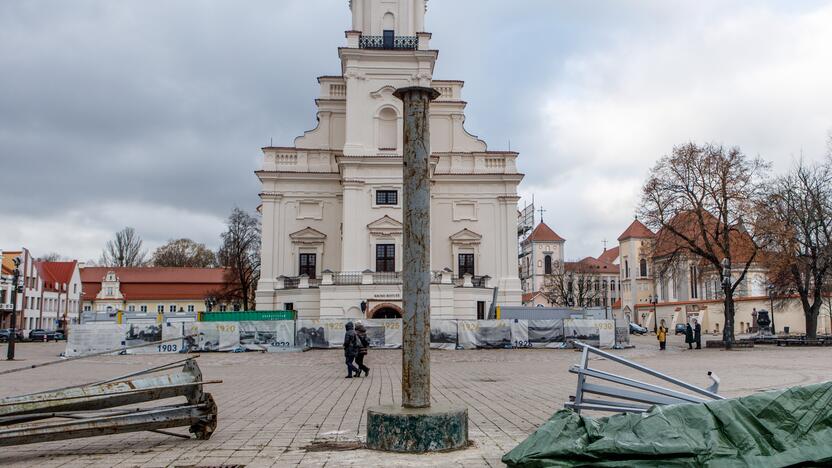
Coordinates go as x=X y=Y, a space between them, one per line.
x=416 y=426
x=416 y=243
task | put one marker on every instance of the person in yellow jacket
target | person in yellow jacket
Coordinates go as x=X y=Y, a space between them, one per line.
x=661 y=334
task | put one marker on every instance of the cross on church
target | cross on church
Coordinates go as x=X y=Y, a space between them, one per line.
x=541 y=210
x=605 y=245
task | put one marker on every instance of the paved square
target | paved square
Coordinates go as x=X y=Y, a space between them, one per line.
x=273 y=407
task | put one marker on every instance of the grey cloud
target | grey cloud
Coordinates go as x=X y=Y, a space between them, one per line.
x=164 y=105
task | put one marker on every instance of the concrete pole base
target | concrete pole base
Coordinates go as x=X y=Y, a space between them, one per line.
x=412 y=430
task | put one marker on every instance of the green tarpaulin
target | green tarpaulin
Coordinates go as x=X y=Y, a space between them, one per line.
x=777 y=428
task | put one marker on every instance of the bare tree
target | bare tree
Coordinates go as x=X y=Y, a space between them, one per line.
x=240 y=254
x=796 y=217
x=701 y=200
x=184 y=253
x=51 y=257
x=573 y=285
x=125 y=250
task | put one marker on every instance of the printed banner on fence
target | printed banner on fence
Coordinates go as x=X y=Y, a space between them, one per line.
x=443 y=334
x=546 y=334
x=172 y=329
x=94 y=337
x=599 y=333
x=215 y=336
x=271 y=336
x=329 y=333
x=144 y=331
x=622 y=331
x=485 y=334
x=383 y=333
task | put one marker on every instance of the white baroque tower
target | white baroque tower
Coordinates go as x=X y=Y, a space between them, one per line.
x=331 y=203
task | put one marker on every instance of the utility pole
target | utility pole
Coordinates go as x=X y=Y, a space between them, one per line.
x=15 y=288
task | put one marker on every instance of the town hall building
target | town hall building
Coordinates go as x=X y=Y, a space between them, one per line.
x=332 y=202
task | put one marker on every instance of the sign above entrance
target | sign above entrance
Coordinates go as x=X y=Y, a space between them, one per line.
x=396 y=296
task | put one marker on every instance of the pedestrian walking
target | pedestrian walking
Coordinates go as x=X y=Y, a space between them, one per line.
x=661 y=334
x=351 y=347
x=697 y=334
x=689 y=336
x=363 y=347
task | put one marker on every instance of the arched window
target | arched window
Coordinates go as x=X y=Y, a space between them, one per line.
x=387 y=129
x=388 y=22
x=547 y=264
x=643 y=267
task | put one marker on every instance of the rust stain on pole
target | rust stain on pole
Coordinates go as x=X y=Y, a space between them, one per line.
x=416 y=242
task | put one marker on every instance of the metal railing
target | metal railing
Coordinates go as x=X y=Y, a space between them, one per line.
x=391 y=277
x=353 y=278
x=476 y=282
x=399 y=42
x=346 y=278
x=630 y=395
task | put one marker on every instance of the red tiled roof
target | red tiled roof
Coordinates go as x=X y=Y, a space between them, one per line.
x=637 y=230
x=609 y=255
x=616 y=304
x=545 y=234
x=591 y=265
x=148 y=283
x=528 y=297
x=55 y=272
x=687 y=223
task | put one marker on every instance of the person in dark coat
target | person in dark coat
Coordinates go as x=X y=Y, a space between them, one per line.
x=689 y=336
x=697 y=334
x=351 y=347
x=363 y=347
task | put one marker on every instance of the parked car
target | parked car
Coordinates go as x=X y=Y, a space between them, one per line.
x=38 y=334
x=680 y=328
x=5 y=333
x=637 y=329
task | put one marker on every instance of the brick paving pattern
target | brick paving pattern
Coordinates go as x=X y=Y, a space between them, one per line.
x=273 y=407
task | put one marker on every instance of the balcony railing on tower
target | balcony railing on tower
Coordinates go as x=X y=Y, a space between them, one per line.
x=367 y=277
x=389 y=42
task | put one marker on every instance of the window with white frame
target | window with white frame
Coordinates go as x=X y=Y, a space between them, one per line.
x=387 y=197
x=143 y=308
x=160 y=309
x=190 y=308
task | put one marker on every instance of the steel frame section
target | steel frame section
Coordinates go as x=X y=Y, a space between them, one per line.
x=624 y=400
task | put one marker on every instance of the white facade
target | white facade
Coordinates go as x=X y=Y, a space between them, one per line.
x=331 y=203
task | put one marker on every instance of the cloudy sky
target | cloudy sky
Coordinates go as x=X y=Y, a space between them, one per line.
x=151 y=113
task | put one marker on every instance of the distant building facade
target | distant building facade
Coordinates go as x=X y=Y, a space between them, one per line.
x=541 y=254
x=550 y=281
x=152 y=290
x=658 y=283
x=60 y=297
x=51 y=292
x=332 y=202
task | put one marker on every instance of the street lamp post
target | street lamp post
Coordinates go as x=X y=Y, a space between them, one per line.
x=15 y=289
x=728 y=329
x=654 y=299
x=771 y=306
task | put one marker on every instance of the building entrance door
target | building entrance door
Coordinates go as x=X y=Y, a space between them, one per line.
x=387 y=313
